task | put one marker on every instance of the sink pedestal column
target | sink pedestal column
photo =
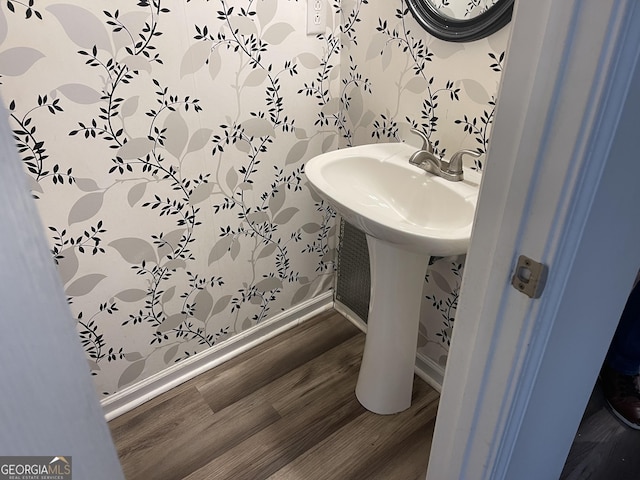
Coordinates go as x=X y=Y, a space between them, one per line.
x=385 y=381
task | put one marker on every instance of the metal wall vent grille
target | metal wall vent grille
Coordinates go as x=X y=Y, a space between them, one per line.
x=353 y=280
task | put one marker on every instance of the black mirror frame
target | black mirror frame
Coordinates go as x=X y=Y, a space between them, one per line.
x=452 y=30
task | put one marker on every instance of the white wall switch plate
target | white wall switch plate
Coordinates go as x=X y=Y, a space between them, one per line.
x=316 y=17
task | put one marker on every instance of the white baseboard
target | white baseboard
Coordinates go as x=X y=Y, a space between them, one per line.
x=430 y=372
x=350 y=315
x=425 y=368
x=143 y=391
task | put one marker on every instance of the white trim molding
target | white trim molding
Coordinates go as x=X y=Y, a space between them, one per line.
x=560 y=186
x=137 y=394
x=426 y=368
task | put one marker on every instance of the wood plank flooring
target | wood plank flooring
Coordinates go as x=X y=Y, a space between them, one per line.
x=603 y=448
x=284 y=410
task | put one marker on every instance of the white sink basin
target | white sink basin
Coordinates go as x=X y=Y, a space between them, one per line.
x=374 y=188
x=408 y=215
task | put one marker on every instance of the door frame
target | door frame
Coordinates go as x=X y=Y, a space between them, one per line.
x=558 y=186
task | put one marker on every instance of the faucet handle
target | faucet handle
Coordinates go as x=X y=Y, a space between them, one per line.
x=426 y=143
x=455 y=165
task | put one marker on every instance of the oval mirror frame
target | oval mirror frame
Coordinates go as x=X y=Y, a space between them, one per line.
x=452 y=30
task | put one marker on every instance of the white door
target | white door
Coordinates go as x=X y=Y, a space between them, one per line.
x=562 y=187
x=48 y=404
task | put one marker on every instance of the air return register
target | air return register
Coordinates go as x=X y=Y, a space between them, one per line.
x=354 y=280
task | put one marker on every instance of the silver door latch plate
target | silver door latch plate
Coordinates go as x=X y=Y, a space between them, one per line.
x=530 y=277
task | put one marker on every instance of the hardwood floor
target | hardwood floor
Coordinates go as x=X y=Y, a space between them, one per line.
x=284 y=410
x=603 y=448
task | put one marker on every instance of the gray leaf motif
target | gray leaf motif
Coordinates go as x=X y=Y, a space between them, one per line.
x=243 y=24
x=177 y=134
x=311 y=227
x=267 y=251
x=377 y=42
x=136 y=193
x=81 y=26
x=130 y=106
x=131 y=295
x=170 y=243
x=201 y=193
x=34 y=186
x=215 y=64
x=170 y=354
x=175 y=264
x=255 y=78
x=168 y=294
x=258 y=127
x=134 y=250
x=85 y=207
x=475 y=91
x=277 y=200
x=135 y=148
x=68 y=264
x=220 y=249
x=87 y=184
x=199 y=139
x=203 y=304
x=331 y=107
x=309 y=60
x=231 y=178
x=300 y=294
x=16 y=61
x=285 y=215
x=134 y=21
x=440 y=281
x=257 y=217
x=131 y=373
x=330 y=139
x=84 y=285
x=356 y=106
x=194 y=58
x=81 y=94
x=268 y=284
x=171 y=322
x=133 y=356
x=297 y=152
x=277 y=33
x=266 y=11
x=235 y=249
x=137 y=62
x=221 y=304
x=366 y=119
x=417 y=85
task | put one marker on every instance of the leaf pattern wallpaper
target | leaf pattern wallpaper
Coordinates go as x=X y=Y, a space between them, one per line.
x=165 y=145
x=397 y=77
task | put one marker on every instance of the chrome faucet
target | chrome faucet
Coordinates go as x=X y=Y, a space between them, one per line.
x=429 y=162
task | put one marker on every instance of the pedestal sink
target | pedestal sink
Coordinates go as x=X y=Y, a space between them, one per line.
x=407 y=215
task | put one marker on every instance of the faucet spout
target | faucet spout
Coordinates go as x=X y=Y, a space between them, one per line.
x=425 y=158
x=453 y=170
x=427 y=161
